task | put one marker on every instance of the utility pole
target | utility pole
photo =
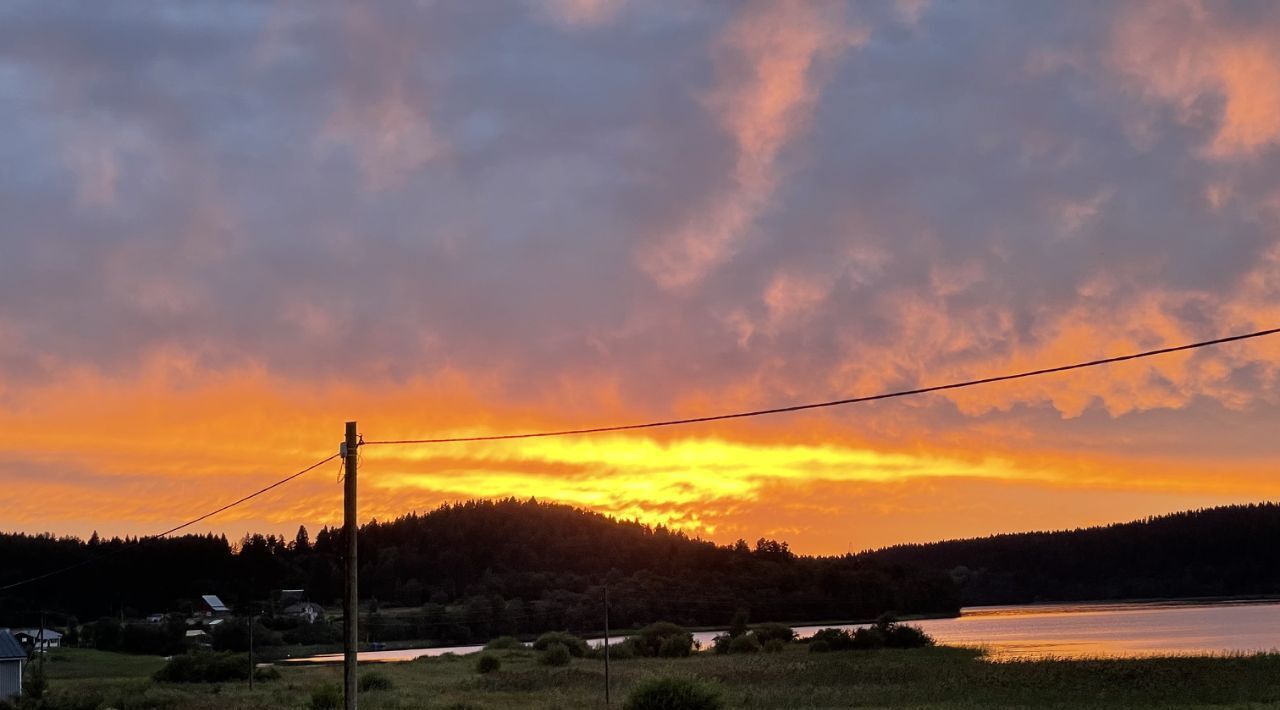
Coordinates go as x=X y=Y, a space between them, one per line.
x=606 y=645
x=351 y=600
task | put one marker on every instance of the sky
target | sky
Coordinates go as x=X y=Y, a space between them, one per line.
x=229 y=227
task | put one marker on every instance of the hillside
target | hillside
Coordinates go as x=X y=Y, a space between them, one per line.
x=476 y=569
x=481 y=568
x=1225 y=551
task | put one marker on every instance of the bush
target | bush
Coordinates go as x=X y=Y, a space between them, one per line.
x=266 y=673
x=770 y=632
x=663 y=639
x=903 y=636
x=867 y=639
x=36 y=683
x=774 y=646
x=326 y=697
x=673 y=694
x=576 y=646
x=487 y=663
x=373 y=680
x=746 y=643
x=834 y=639
x=202 y=667
x=556 y=654
x=622 y=651
x=819 y=646
x=504 y=643
x=884 y=634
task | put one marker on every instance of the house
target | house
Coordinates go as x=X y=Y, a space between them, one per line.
x=310 y=611
x=12 y=656
x=38 y=639
x=211 y=605
x=291 y=596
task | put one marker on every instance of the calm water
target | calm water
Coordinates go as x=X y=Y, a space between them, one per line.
x=1067 y=630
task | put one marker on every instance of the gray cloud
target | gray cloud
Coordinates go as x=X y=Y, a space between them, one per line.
x=395 y=189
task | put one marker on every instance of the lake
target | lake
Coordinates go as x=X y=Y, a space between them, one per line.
x=1059 y=630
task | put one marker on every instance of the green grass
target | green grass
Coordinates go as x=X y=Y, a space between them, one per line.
x=923 y=678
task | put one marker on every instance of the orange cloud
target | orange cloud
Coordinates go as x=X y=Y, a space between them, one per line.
x=764 y=94
x=381 y=113
x=1183 y=51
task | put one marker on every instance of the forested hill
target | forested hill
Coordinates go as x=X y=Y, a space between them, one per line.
x=488 y=567
x=491 y=566
x=1226 y=551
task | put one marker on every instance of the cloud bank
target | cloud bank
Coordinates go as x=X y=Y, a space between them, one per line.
x=484 y=217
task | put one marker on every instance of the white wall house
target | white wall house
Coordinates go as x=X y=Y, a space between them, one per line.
x=39 y=639
x=12 y=656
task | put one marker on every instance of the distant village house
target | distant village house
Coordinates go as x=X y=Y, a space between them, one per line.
x=211 y=605
x=12 y=656
x=37 y=639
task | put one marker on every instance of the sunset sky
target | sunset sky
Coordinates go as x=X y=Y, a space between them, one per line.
x=229 y=227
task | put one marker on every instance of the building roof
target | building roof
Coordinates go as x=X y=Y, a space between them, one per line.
x=9 y=647
x=49 y=634
x=214 y=602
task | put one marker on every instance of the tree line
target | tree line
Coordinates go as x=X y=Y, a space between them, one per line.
x=471 y=571
x=1216 y=552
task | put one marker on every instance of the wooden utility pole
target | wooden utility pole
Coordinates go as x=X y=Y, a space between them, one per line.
x=351 y=600
x=606 y=645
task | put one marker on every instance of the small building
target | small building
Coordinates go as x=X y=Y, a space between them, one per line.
x=12 y=656
x=308 y=611
x=291 y=596
x=211 y=605
x=38 y=639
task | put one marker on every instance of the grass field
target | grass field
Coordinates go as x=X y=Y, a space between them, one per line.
x=922 y=678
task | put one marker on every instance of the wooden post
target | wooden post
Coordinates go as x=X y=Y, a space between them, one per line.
x=606 y=645
x=351 y=600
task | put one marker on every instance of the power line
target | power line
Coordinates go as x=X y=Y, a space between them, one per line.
x=172 y=530
x=835 y=402
x=251 y=496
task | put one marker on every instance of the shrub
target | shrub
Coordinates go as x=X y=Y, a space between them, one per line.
x=673 y=694
x=866 y=639
x=746 y=643
x=326 y=697
x=663 y=639
x=774 y=646
x=373 y=680
x=903 y=636
x=770 y=632
x=204 y=667
x=36 y=683
x=556 y=654
x=835 y=639
x=574 y=645
x=487 y=663
x=621 y=651
x=819 y=646
x=504 y=643
x=266 y=673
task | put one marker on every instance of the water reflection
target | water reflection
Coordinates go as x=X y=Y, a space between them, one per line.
x=1040 y=631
